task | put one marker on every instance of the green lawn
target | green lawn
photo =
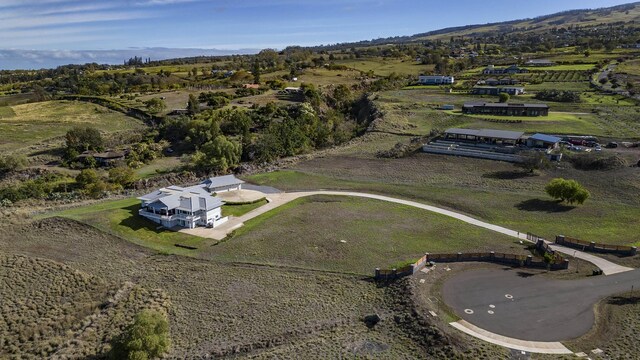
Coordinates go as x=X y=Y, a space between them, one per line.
x=519 y=204
x=569 y=67
x=384 y=67
x=241 y=209
x=353 y=235
x=120 y=217
x=37 y=122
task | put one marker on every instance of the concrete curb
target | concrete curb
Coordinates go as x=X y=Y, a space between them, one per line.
x=539 y=347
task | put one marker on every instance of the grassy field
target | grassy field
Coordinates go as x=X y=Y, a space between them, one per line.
x=412 y=112
x=159 y=166
x=631 y=67
x=45 y=302
x=37 y=122
x=235 y=310
x=569 y=67
x=352 y=235
x=492 y=191
x=120 y=217
x=241 y=209
x=384 y=67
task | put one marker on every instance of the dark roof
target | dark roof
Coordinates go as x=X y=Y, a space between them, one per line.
x=545 y=138
x=487 y=133
x=540 y=61
x=542 y=106
x=109 y=155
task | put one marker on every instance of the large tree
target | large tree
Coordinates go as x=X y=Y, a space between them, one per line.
x=217 y=155
x=567 y=190
x=82 y=138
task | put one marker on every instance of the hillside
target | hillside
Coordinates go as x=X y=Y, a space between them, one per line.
x=628 y=14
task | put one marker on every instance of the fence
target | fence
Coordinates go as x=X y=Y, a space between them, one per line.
x=595 y=247
x=557 y=262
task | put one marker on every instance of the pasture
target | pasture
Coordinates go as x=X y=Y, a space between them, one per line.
x=352 y=235
x=38 y=122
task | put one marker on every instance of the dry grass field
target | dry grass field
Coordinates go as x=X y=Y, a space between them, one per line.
x=30 y=124
x=51 y=310
x=242 y=310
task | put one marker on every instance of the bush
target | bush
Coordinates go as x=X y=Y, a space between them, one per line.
x=146 y=338
x=122 y=176
x=10 y=163
x=558 y=95
x=567 y=190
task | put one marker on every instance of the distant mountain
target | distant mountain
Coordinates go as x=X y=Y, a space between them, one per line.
x=39 y=59
x=627 y=13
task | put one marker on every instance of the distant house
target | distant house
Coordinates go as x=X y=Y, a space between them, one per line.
x=506 y=109
x=251 y=86
x=435 y=79
x=539 y=62
x=179 y=112
x=491 y=90
x=543 y=141
x=513 y=69
x=222 y=183
x=291 y=90
x=107 y=158
x=183 y=207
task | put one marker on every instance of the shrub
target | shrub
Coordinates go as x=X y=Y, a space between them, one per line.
x=146 y=338
x=122 y=175
x=567 y=190
x=10 y=163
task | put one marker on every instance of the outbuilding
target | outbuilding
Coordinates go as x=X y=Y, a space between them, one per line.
x=484 y=136
x=543 y=141
x=222 y=183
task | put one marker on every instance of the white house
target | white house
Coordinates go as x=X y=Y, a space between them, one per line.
x=185 y=207
x=222 y=183
x=435 y=79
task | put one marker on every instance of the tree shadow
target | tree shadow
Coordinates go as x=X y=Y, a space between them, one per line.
x=624 y=300
x=136 y=222
x=550 y=206
x=508 y=175
x=524 y=274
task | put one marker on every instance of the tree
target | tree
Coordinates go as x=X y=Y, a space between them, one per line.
x=91 y=184
x=147 y=338
x=83 y=138
x=217 y=155
x=155 y=105
x=567 y=190
x=123 y=176
x=193 y=106
x=534 y=160
x=504 y=97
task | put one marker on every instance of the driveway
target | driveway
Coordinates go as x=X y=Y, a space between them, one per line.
x=514 y=303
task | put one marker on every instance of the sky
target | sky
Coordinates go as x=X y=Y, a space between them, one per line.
x=64 y=28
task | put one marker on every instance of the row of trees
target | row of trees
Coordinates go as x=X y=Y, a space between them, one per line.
x=558 y=96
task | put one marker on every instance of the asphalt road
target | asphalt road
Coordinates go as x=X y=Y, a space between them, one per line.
x=530 y=307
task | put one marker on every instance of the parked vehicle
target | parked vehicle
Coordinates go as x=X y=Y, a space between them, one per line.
x=612 y=145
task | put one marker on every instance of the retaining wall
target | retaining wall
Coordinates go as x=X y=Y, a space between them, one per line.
x=595 y=247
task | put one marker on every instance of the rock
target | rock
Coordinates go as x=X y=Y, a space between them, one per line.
x=371 y=320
